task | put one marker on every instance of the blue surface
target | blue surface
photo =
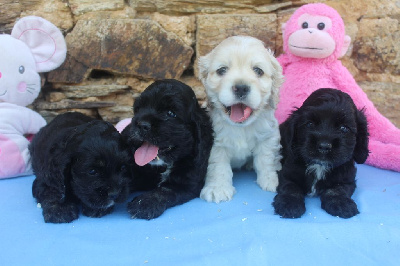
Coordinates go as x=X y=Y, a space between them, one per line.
x=243 y=231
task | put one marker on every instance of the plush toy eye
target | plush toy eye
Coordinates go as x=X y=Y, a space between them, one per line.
x=321 y=26
x=171 y=114
x=344 y=129
x=258 y=71
x=304 y=25
x=92 y=172
x=221 y=71
x=21 y=69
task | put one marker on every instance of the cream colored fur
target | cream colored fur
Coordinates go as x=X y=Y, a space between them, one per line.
x=256 y=140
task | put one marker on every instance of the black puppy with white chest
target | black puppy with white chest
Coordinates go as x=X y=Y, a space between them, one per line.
x=321 y=141
x=172 y=138
x=79 y=161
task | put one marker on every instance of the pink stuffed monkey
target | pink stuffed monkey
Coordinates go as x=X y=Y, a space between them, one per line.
x=314 y=38
x=35 y=45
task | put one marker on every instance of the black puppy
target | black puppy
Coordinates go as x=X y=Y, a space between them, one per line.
x=172 y=138
x=320 y=142
x=79 y=160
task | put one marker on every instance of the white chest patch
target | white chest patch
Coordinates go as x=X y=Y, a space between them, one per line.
x=157 y=162
x=318 y=171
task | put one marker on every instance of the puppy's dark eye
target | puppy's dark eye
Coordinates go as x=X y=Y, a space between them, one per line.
x=321 y=26
x=171 y=114
x=258 y=71
x=123 y=167
x=304 y=25
x=344 y=129
x=309 y=124
x=92 y=172
x=221 y=71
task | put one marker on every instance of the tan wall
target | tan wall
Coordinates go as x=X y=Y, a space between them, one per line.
x=116 y=48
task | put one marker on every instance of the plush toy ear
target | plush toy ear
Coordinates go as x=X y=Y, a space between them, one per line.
x=361 y=149
x=121 y=125
x=45 y=41
x=346 y=45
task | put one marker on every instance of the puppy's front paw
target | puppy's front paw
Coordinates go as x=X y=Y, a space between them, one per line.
x=288 y=206
x=145 y=207
x=268 y=181
x=217 y=193
x=60 y=213
x=340 y=206
x=96 y=213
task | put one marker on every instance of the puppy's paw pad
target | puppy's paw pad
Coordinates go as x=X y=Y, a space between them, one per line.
x=217 y=193
x=60 y=213
x=268 y=182
x=340 y=206
x=145 y=208
x=289 y=206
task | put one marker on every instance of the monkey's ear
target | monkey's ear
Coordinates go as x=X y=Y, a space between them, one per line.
x=346 y=45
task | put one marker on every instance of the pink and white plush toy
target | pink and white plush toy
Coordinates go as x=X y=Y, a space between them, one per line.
x=314 y=38
x=35 y=45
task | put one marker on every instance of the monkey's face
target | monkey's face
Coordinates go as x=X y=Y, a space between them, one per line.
x=312 y=39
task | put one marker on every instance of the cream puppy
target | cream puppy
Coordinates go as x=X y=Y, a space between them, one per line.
x=242 y=80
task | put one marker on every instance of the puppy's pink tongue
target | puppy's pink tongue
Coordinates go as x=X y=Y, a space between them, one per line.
x=145 y=153
x=240 y=112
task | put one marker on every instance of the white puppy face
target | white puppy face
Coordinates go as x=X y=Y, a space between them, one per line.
x=242 y=78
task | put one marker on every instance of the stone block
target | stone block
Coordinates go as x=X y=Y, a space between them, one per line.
x=123 y=46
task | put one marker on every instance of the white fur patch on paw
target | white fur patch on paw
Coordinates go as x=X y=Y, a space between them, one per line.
x=217 y=193
x=268 y=182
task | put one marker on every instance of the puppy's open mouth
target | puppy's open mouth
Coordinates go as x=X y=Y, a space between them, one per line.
x=147 y=153
x=239 y=112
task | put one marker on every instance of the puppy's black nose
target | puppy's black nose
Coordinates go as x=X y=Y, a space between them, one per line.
x=241 y=90
x=144 y=125
x=324 y=147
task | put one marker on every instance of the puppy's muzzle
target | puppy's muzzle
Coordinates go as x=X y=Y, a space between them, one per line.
x=144 y=125
x=241 y=91
x=324 y=147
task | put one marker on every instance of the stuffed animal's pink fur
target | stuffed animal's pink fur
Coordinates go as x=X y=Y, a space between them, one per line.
x=311 y=62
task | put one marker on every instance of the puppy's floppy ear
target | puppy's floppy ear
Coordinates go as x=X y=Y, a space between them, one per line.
x=203 y=139
x=57 y=167
x=277 y=79
x=287 y=130
x=203 y=66
x=62 y=155
x=361 y=149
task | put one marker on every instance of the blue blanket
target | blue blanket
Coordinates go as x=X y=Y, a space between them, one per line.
x=244 y=231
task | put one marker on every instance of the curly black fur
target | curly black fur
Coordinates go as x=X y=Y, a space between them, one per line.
x=320 y=143
x=79 y=161
x=168 y=116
